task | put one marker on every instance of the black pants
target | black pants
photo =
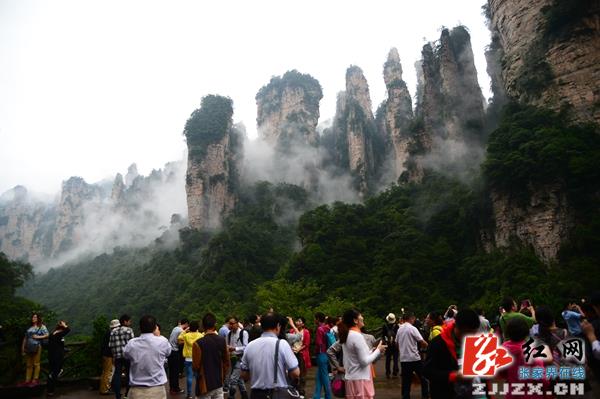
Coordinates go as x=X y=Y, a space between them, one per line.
x=408 y=368
x=391 y=354
x=174 y=371
x=55 y=362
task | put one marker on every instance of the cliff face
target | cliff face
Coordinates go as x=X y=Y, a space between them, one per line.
x=90 y=218
x=544 y=53
x=397 y=116
x=354 y=131
x=213 y=158
x=288 y=110
x=25 y=226
x=543 y=223
x=451 y=103
x=70 y=213
x=549 y=53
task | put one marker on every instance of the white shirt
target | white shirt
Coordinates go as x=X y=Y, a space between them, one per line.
x=358 y=357
x=147 y=354
x=407 y=339
x=259 y=358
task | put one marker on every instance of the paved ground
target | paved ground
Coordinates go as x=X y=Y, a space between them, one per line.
x=384 y=388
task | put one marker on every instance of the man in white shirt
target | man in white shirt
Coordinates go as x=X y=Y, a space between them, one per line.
x=147 y=354
x=258 y=363
x=408 y=339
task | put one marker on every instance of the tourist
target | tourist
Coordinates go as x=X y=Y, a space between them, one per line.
x=107 y=360
x=435 y=322
x=188 y=336
x=510 y=312
x=517 y=332
x=268 y=361
x=210 y=360
x=56 y=353
x=302 y=352
x=119 y=337
x=441 y=364
x=147 y=355
x=572 y=314
x=409 y=339
x=388 y=333
x=31 y=348
x=174 y=360
x=322 y=377
x=358 y=357
x=237 y=340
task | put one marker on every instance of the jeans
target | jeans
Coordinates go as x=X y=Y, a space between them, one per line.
x=120 y=363
x=322 y=377
x=189 y=378
x=408 y=368
x=234 y=380
x=174 y=370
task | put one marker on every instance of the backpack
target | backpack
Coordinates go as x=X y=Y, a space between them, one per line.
x=331 y=339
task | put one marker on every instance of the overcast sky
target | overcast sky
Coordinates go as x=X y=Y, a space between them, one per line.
x=89 y=87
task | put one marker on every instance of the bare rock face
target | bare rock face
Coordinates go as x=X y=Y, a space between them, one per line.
x=213 y=152
x=354 y=131
x=288 y=110
x=543 y=222
x=549 y=53
x=118 y=189
x=76 y=194
x=25 y=226
x=451 y=103
x=398 y=115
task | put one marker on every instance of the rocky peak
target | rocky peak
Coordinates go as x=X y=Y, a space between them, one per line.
x=132 y=174
x=117 y=189
x=288 y=110
x=214 y=149
x=397 y=116
x=354 y=131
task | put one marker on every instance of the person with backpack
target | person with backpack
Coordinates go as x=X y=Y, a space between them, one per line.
x=31 y=348
x=237 y=340
x=388 y=334
x=321 y=345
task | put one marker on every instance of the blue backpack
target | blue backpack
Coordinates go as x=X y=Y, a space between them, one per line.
x=331 y=339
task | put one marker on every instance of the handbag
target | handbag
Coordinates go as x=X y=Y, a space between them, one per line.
x=281 y=393
x=32 y=345
x=338 y=387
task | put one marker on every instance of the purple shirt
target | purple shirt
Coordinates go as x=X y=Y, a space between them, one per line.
x=321 y=339
x=147 y=354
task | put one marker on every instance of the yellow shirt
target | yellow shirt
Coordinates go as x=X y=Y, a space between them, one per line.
x=188 y=339
x=435 y=331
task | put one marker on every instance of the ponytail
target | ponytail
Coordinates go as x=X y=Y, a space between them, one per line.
x=347 y=323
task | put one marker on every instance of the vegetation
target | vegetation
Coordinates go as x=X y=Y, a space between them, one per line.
x=208 y=124
x=532 y=147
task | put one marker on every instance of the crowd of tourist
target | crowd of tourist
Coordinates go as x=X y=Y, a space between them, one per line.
x=271 y=354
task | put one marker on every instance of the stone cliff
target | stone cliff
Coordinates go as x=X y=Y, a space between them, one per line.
x=548 y=53
x=288 y=110
x=354 y=132
x=544 y=53
x=214 y=149
x=397 y=114
x=26 y=226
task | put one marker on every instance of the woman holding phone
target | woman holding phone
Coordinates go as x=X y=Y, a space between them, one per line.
x=358 y=357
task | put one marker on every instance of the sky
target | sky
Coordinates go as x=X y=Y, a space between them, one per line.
x=89 y=87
